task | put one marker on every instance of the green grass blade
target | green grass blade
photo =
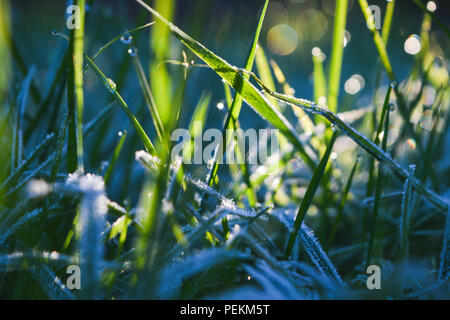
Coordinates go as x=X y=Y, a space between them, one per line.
x=405 y=220
x=149 y=99
x=361 y=140
x=337 y=54
x=310 y=191
x=379 y=43
x=235 y=109
x=378 y=190
x=162 y=85
x=231 y=75
x=111 y=86
x=117 y=38
x=264 y=73
x=385 y=31
x=78 y=54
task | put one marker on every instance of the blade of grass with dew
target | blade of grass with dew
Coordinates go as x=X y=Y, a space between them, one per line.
x=78 y=54
x=149 y=99
x=310 y=191
x=235 y=109
x=378 y=189
x=405 y=218
x=23 y=166
x=318 y=255
x=115 y=156
x=111 y=86
x=231 y=75
x=46 y=101
x=16 y=154
x=264 y=73
x=199 y=117
x=377 y=138
x=115 y=39
x=361 y=140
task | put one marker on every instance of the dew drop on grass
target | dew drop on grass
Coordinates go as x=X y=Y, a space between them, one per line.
x=112 y=87
x=391 y=107
x=132 y=52
x=126 y=38
x=54 y=33
x=393 y=84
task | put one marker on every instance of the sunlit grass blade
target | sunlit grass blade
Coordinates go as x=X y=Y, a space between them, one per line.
x=236 y=105
x=78 y=58
x=337 y=53
x=361 y=140
x=248 y=92
x=264 y=72
x=161 y=82
x=310 y=192
x=111 y=86
x=149 y=99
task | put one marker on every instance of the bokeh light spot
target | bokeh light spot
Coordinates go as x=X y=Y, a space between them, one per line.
x=282 y=40
x=413 y=44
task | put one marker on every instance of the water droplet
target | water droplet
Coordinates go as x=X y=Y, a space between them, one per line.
x=220 y=106
x=120 y=133
x=126 y=38
x=132 y=52
x=431 y=6
x=391 y=106
x=54 y=33
x=393 y=84
x=413 y=44
x=334 y=128
x=112 y=87
x=411 y=143
x=333 y=156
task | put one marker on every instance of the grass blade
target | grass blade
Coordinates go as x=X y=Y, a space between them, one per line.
x=78 y=54
x=111 y=86
x=115 y=156
x=231 y=75
x=337 y=53
x=310 y=191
